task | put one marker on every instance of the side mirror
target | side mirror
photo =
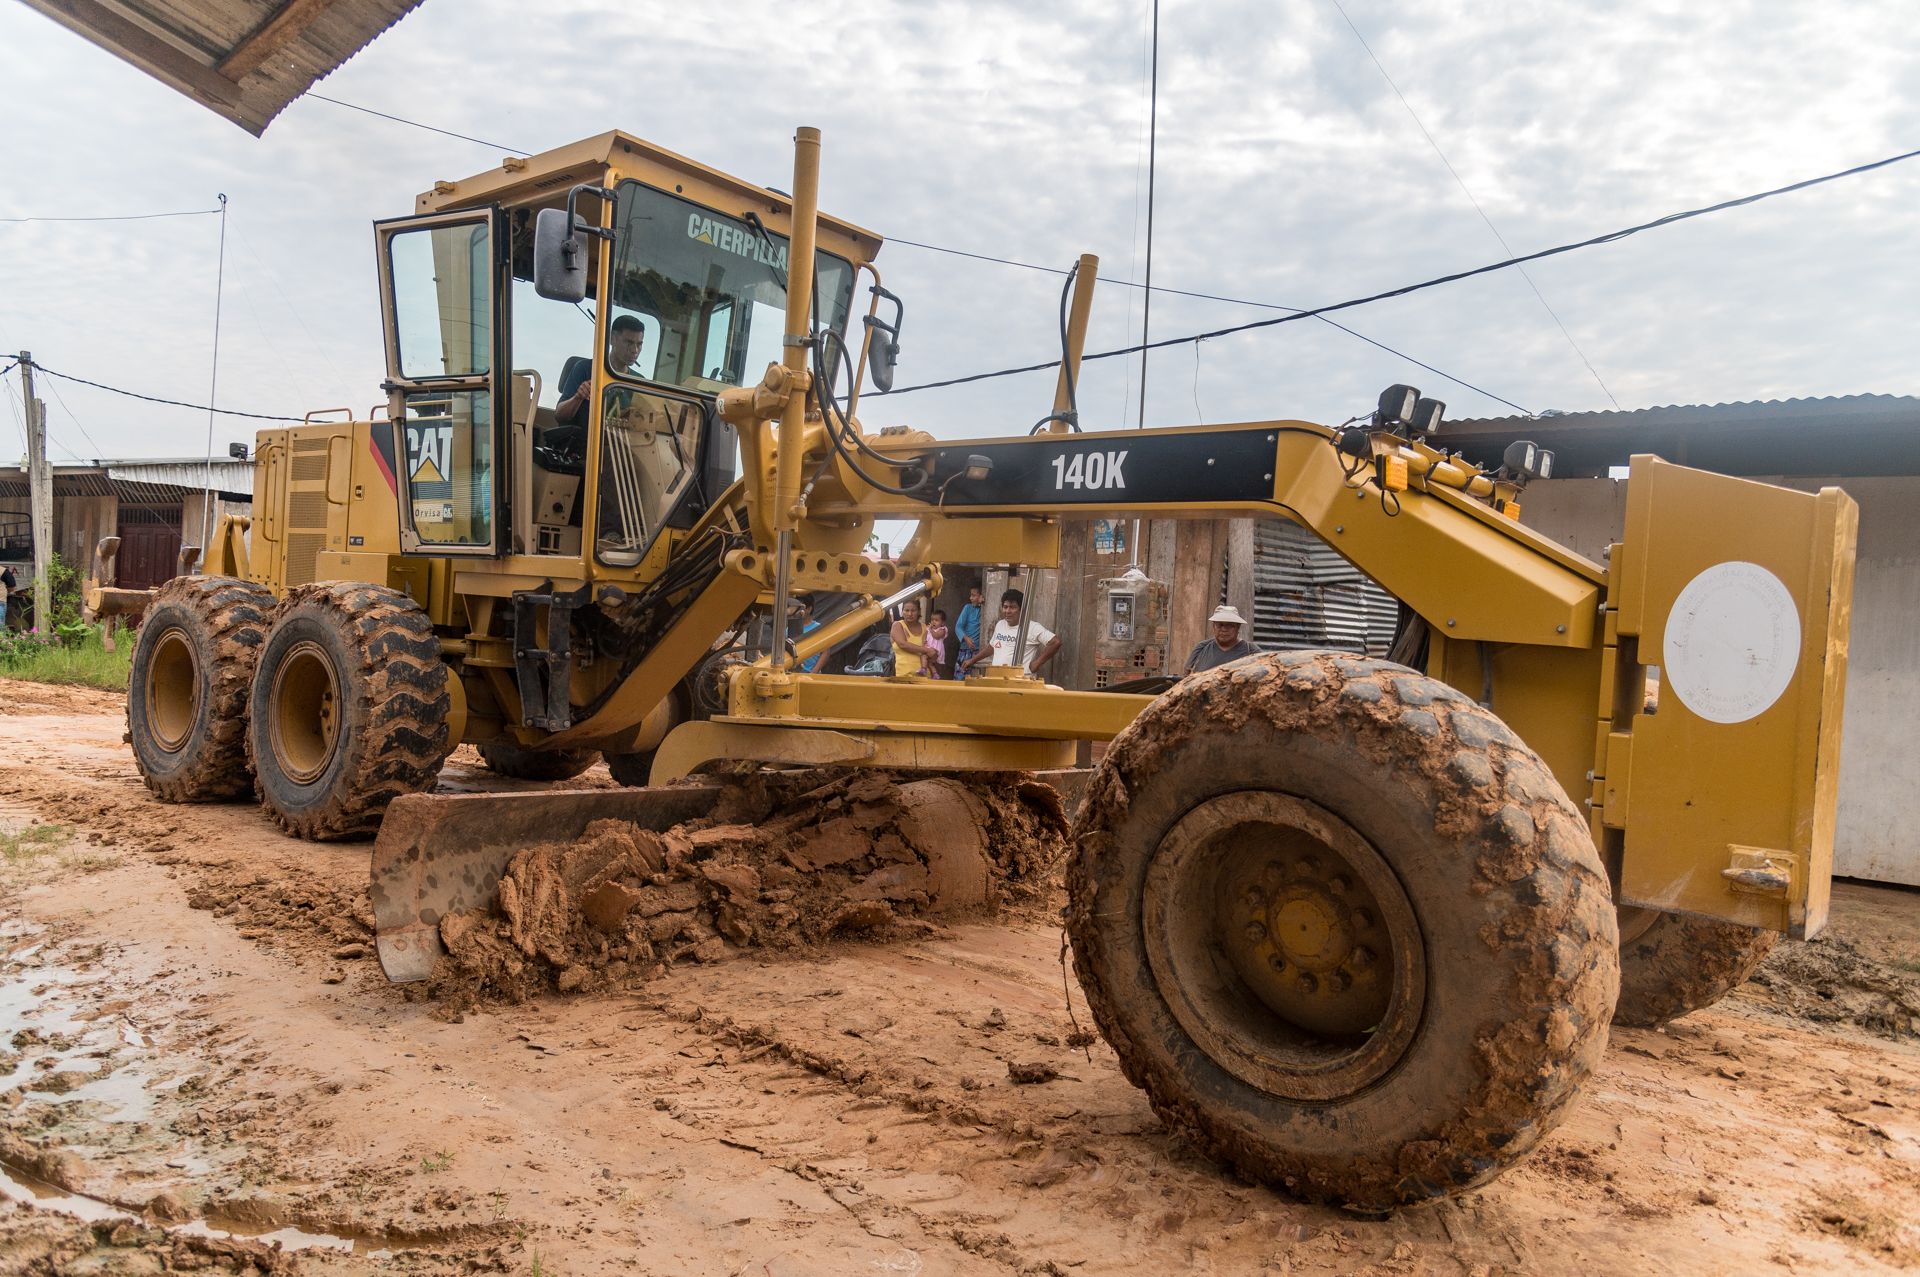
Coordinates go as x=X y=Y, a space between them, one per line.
x=883 y=351
x=560 y=250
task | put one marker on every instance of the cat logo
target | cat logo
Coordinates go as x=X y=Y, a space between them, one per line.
x=428 y=472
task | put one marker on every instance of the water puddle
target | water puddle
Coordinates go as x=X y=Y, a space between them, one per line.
x=44 y=1196
x=292 y=1239
x=31 y=1004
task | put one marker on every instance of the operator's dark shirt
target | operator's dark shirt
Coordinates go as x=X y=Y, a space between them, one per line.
x=1208 y=654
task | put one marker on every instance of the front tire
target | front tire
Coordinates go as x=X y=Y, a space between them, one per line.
x=635 y=771
x=349 y=709
x=1670 y=964
x=193 y=666
x=1343 y=927
x=527 y=764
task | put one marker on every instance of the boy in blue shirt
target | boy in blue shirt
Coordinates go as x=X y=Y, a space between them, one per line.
x=968 y=626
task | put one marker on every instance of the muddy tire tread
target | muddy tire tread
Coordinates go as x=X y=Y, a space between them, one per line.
x=1682 y=964
x=402 y=709
x=236 y=615
x=1558 y=933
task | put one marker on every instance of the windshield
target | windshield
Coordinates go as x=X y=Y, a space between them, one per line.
x=707 y=290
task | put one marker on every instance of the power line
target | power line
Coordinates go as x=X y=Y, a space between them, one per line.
x=129 y=217
x=1148 y=286
x=171 y=403
x=511 y=150
x=1609 y=238
x=1236 y=301
x=1471 y=200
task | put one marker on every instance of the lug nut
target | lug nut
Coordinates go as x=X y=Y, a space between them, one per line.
x=1277 y=962
x=1362 y=919
x=1306 y=983
x=1256 y=931
x=1341 y=884
x=1361 y=958
x=1339 y=981
x=1275 y=869
x=1255 y=897
x=1308 y=867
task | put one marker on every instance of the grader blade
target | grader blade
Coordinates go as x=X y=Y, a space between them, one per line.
x=439 y=854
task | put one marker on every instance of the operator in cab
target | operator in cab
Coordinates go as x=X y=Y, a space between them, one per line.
x=576 y=385
x=1225 y=645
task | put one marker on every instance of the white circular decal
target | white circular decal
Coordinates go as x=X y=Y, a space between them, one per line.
x=1732 y=642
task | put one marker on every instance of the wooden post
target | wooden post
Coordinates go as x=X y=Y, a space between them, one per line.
x=40 y=493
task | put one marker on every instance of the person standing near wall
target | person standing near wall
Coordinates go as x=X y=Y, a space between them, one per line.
x=911 y=651
x=1225 y=645
x=1042 y=643
x=968 y=626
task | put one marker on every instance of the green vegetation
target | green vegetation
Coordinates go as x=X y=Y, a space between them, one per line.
x=68 y=650
x=33 y=842
x=438 y=1162
x=69 y=658
x=42 y=853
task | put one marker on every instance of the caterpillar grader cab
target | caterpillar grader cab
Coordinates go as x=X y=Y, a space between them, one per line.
x=1357 y=926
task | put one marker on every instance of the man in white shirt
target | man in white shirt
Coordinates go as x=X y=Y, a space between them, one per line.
x=1042 y=643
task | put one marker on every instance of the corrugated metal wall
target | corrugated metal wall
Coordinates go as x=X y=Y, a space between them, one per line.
x=1305 y=595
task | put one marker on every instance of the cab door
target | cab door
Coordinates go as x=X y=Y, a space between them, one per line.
x=444 y=294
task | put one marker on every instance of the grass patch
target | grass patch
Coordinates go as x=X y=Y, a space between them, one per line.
x=33 y=842
x=86 y=663
x=40 y=853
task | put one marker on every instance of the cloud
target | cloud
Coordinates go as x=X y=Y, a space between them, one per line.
x=1288 y=172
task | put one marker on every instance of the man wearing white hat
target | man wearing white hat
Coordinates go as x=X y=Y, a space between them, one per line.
x=1226 y=643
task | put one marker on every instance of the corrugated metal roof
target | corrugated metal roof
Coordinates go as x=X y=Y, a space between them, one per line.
x=228 y=476
x=1836 y=435
x=148 y=481
x=242 y=59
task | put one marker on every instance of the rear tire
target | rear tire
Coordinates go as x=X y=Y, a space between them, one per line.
x=527 y=764
x=634 y=771
x=1679 y=964
x=349 y=709
x=1343 y=927
x=193 y=664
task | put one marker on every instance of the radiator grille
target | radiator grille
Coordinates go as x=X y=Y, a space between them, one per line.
x=303 y=549
x=310 y=467
x=306 y=509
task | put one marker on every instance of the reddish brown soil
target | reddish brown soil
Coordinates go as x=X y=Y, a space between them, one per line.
x=846 y=1109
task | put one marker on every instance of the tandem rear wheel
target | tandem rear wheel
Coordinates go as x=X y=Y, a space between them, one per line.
x=348 y=710
x=193 y=665
x=1343 y=927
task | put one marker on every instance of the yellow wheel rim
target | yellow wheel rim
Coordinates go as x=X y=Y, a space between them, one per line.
x=305 y=712
x=173 y=690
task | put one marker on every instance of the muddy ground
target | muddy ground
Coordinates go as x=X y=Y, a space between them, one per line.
x=234 y=1086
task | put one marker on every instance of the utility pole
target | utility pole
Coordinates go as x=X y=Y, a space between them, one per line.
x=40 y=491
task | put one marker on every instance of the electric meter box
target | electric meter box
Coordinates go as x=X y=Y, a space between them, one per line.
x=1131 y=643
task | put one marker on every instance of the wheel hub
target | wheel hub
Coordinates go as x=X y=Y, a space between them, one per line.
x=1284 y=944
x=1304 y=936
x=305 y=718
x=173 y=690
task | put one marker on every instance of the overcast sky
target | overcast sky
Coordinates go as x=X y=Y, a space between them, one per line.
x=1289 y=173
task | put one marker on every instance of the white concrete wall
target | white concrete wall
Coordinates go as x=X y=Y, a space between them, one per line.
x=1878 y=836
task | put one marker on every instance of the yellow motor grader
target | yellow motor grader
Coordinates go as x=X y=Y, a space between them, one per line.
x=1358 y=926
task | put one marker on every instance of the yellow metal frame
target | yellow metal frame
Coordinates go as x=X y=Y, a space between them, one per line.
x=1688 y=819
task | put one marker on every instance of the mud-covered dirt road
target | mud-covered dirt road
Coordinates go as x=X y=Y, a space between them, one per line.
x=240 y=1072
